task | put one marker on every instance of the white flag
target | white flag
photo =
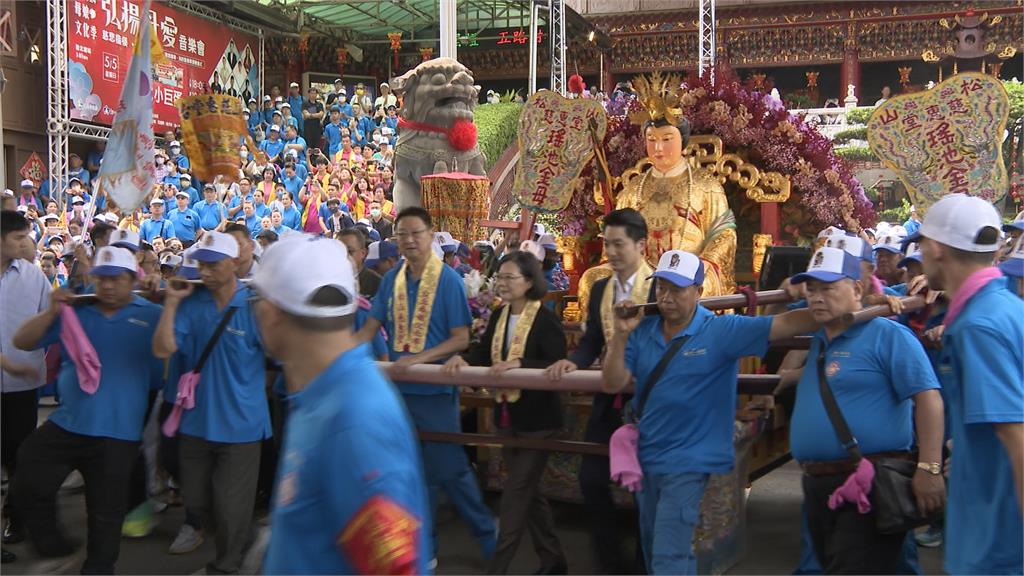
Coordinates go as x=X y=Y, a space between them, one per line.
x=127 y=173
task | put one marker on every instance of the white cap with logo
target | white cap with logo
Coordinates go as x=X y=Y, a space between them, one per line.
x=125 y=239
x=216 y=246
x=831 y=231
x=957 y=220
x=1014 y=265
x=829 y=265
x=285 y=278
x=114 y=261
x=680 y=268
x=534 y=248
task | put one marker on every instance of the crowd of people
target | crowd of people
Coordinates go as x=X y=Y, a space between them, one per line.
x=259 y=370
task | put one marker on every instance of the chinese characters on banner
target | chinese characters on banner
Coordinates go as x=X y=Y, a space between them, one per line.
x=202 y=56
x=556 y=140
x=945 y=140
x=34 y=169
x=211 y=128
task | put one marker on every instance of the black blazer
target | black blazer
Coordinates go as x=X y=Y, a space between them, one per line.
x=536 y=409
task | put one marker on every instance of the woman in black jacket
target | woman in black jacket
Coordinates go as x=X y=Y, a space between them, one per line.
x=522 y=334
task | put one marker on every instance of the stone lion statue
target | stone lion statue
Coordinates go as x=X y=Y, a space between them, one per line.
x=436 y=126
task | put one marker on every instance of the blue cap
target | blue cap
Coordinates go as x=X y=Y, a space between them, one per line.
x=1014 y=265
x=829 y=265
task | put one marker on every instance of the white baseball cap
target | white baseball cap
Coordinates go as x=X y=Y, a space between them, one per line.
x=448 y=243
x=216 y=246
x=957 y=220
x=275 y=128
x=175 y=144
x=913 y=254
x=114 y=261
x=1017 y=224
x=829 y=265
x=189 y=268
x=171 y=260
x=293 y=85
x=1014 y=265
x=285 y=279
x=680 y=268
x=853 y=246
x=889 y=242
x=267 y=98
x=125 y=239
x=547 y=241
x=157 y=200
x=831 y=231
x=51 y=217
x=26 y=183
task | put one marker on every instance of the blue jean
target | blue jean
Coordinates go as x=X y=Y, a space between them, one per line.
x=669 y=507
x=447 y=468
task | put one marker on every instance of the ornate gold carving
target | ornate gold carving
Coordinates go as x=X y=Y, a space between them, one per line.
x=929 y=56
x=1008 y=52
x=761 y=244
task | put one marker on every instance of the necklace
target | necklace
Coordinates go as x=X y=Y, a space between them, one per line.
x=656 y=245
x=689 y=187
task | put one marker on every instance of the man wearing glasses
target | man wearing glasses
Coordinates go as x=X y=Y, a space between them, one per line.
x=422 y=305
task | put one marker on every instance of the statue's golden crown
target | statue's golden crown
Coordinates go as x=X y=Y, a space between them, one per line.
x=659 y=95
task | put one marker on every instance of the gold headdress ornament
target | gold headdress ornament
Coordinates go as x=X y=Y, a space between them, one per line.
x=659 y=95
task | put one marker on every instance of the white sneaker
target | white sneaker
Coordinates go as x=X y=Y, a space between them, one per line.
x=74 y=481
x=187 y=540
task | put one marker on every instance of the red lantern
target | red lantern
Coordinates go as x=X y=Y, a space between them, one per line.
x=396 y=46
x=342 y=58
x=426 y=53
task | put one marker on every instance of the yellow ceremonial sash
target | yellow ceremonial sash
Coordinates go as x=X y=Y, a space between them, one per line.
x=411 y=333
x=269 y=191
x=518 y=343
x=641 y=287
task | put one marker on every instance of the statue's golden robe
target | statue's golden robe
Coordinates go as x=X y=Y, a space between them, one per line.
x=686 y=210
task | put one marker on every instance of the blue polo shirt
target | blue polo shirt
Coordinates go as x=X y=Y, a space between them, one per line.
x=687 y=424
x=874 y=369
x=350 y=453
x=210 y=213
x=332 y=132
x=182 y=161
x=186 y=223
x=124 y=344
x=291 y=218
x=980 y=366
x=150 y=229
x=450 y=310
x=231 y=405
x=261 y=210
x=293 y=184
x=253 y=224
x=272 y=147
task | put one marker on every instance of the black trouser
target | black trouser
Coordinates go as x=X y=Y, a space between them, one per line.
x=45 y=460
x=595 y=484
x=140 y=482
x=167 y=456
x=845 y=541
x=19 y=413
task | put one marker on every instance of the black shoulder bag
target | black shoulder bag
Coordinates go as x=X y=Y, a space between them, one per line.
x=631 y=416
x=208 y=349
x=892 y=497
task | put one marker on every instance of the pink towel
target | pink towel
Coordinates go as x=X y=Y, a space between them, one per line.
x=876 y=285
x=186 y=400
x=856 y=488
x=80 y=350
x=625 y=462
x=970 y=287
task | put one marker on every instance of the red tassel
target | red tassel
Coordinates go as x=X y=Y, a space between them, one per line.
x=618 y=402
x=506 y=418
x=576 y=84
x=462 y=135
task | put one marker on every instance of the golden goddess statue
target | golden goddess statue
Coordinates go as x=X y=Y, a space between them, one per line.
x=684 y=205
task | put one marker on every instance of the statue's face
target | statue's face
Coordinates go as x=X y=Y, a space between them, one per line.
x=664 y=147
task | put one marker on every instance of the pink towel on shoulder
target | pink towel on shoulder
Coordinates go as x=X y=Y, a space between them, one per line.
x=970 y=287
x=624 y=459
x=80 y=350
x=186 y=400
x=856 y=488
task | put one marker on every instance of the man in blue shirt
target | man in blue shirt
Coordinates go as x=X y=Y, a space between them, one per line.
x=273 y=145
x=332 y=132
x=211 y=212
x=268 y=110
x=350 y=467
x=185 y=184
x=157 y=226
x=259 y=204
x=98 y=425
x=686 y=427
x=76 y=170
x=295 y=143
x=364 y=126
x=980 y=369
x=883 y=383
x=296 y=102
x=185 y=220
x=252 y=221
x=255 y=116
x=912 y=225
x=222 y=434
x=424 y=281
x=178 y=157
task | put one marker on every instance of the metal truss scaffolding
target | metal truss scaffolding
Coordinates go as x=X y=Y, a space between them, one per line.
x=706 y=38
x=556 y=31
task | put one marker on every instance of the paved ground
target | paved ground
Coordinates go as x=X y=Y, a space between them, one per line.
x=773 y=516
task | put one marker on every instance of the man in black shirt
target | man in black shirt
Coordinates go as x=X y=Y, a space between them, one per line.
x=356 y=241
x=313 y=119
x=380 y=222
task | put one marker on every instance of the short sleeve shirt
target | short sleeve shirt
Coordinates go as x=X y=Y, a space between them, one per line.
x=687 y=423
x=24 y=292
x=450 y=311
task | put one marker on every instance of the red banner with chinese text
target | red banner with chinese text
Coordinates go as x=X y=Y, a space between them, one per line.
x=202 y=55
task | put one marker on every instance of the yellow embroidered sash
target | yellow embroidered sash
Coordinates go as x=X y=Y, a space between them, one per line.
x=641 y=288
x=518 y=343
x=411 y=333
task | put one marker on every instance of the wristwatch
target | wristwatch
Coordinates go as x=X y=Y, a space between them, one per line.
x=933 y=468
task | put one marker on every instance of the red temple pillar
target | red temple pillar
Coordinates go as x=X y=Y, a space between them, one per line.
x=771 y=220
x=608 y=82
x=849 y=73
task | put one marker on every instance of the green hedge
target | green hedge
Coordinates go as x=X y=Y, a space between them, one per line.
x=851 y=134
x=859 y=115
x=496 y=127
x=857 y=153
